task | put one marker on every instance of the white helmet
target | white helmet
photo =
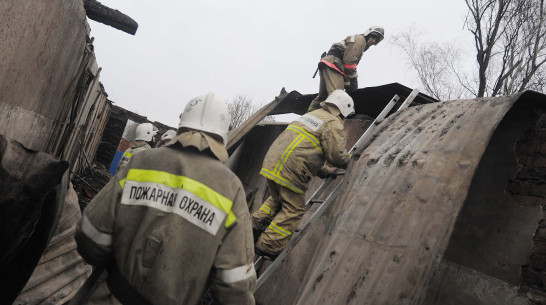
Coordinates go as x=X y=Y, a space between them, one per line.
x=377 y=31
x=169 y=134
x=145 y=132
x=207 y=113
x=342 y=101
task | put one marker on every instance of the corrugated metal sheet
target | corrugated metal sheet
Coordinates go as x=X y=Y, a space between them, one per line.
x=61 y=270
x=383 y=238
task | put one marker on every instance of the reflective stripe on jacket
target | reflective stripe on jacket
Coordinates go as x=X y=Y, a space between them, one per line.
x=300 y=151
x=172 y=219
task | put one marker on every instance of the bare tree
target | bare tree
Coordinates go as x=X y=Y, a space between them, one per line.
x=510 y=43
x=510 y=40
x=434 y=64
x=241 y=108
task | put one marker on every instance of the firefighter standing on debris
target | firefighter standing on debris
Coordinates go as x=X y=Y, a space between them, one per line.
x=293 y=159
x=174 y=219
x=338 y=67
x=145 y=134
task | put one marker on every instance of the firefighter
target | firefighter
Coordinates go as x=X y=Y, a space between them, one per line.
x=165 y=138
x=338 y=67
x=144 y=140
x=293 y=159
x=174 y=219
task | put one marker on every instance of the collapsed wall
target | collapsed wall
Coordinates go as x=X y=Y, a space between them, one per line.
x=112 y=144
x=51 y=99
x=113 y=132
x=52 y=107
x=425 y=208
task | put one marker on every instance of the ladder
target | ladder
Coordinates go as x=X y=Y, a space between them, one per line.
x=356 y=150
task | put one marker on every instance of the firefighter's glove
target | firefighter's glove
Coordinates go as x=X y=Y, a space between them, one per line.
x=327 y=172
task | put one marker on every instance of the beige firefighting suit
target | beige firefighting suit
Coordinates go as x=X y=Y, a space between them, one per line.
x=136 y=147
x=338 y=68
x=174 y=218
x=162 y=142
x=293 y=159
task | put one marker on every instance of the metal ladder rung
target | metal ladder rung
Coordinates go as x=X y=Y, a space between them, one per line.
x=259 y=262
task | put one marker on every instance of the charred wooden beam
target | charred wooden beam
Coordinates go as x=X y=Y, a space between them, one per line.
x=114 y=18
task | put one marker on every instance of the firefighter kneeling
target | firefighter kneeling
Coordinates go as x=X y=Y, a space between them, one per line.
x=293 y=159
x=173 y=219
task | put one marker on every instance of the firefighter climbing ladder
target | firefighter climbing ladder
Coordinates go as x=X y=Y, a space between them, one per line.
x=356 y=150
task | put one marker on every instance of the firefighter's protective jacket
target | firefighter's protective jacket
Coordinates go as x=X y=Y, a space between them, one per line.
x=136 y=147
x=172 y=219
x=345 y=55
x=299 y=152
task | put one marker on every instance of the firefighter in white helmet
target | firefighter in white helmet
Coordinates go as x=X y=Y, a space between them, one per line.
x=338 y=68
x=144 y=138
x=165 y=138
x=174 y=219
x=293 y=159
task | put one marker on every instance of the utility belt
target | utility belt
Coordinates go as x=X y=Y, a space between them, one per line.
x=336 y=66
x=122 y=290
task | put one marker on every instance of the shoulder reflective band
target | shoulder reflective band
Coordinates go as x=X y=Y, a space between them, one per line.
x=235 y=275
x=307 y=135
x=199 y=189
x=128 y=154
x=280 y=180
x=287 y=152
x=303 y=134
x=94 y=234
x=331 y=65
x=353 y=66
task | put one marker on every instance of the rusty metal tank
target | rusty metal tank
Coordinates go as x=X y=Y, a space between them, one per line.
x=442 y=207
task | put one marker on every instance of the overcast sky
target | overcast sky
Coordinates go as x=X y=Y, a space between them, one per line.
x=186 y=48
